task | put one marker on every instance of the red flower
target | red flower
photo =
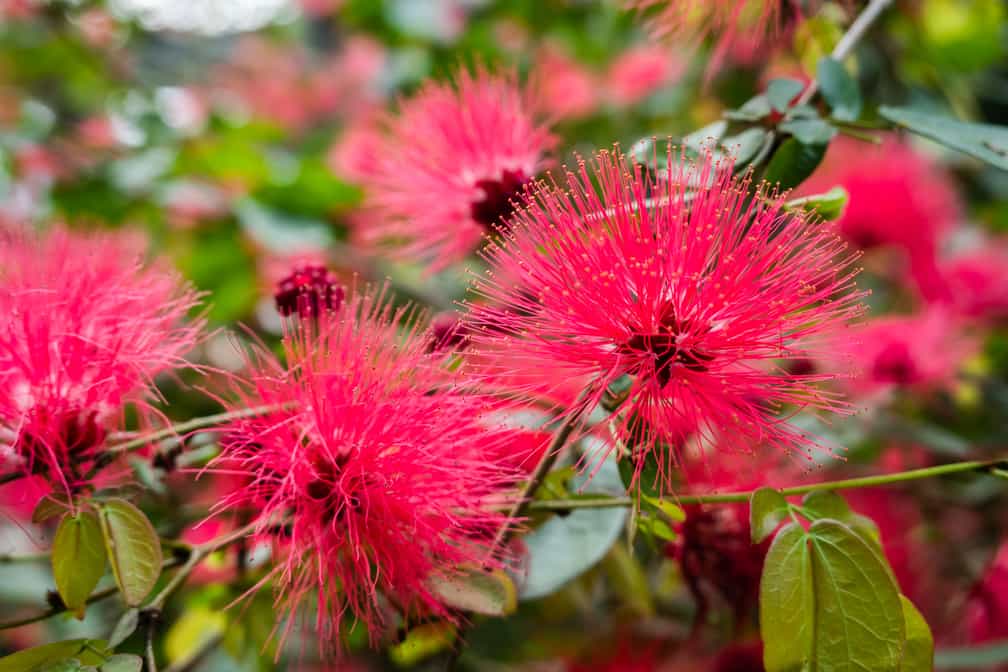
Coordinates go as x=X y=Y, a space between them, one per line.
x=454 y=162
x=376 y=468
x=741 y=29
x=987 y=607
x=87 y=328
x=978 y=281
x=697 y=292
x=898 y=200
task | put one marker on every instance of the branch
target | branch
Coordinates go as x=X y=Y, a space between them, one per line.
x=849 y=40
x=738 y=497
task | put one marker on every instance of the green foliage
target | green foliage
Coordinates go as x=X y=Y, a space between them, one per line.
x=478 y=591
x=134 y=549
x=829 y=206
x=839 y=89
x=983 y=141
x=78 y=558
x=767 y=510
x=43 y=658
x=918 y=651
x=793 y=162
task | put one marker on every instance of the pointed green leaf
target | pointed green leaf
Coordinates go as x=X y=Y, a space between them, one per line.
x=829 y=602
x=672 y=512
x=918 y=651
x=478 y=591
x=422 y=642
x=986 y=142
x=809 y=131
x=780 y=92
x=829 y=206
x=134 y=549
x=858 y=614
x=793 y=162
x=753 y=109
x=839 y=89
x=787 y=602
x=655 y=527
x=78 y=559
x=820 y=504
x=124 y=627
x=37 y=659
x=767 y=509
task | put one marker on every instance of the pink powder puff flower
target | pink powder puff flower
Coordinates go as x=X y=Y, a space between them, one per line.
x=88 y=327
x=682 y=282
x=978 y=281
x=741 y=30
x=987 y=605
x=455 y=160
x=566 y=88
x=640 y=71
x=898 y=199
x=920 y=352
x=354 y=154
x=373 y=466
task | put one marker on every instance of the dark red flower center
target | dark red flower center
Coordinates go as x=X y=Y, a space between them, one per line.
x=894 y=364
x=499 y=199
x=665 y=348
x=448 y=332
x=62 y=442
x=308 y=291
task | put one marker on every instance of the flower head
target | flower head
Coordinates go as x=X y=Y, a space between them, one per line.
x=898 y=200
x=919 y=352
x=375 y=465
x=978 y=281
x=308 y=291
x=683 y=283
x=88 y=326
x=454 y=162
x=740 y=29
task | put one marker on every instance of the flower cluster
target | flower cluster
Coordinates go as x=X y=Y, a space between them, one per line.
x=374 y=474
x=683 y=282
x=88 y=327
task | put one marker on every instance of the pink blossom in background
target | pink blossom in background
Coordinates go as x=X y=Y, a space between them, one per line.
x=566 y=89
x=97 y=133
x=698 y=299
x=920 y=352
x=456 y=158
x=977 y=281
x=742 y=31
x=355 y=153
x=640 y=71
x=898 y=199
x=987 y=606
x=377 y=462
x=88 y=326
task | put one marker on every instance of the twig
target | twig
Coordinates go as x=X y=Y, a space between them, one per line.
x=737 y=497
x=849 y=40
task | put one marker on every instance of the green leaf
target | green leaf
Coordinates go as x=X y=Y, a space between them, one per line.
x=820 y=504
x=787 y=602
x=666 y=508
x=422 y=642
x=753 y=109
x=78 y=559
x=780 y=92
x=809 y=131
x=767 y=509
x=918 y=651
x=655 y=527
x=124 y=627
x=982 y=141
x=564 y=547
x=50 y=507
x=477 y=591
x=122 y=662
x=37 y=659
x=134 y=549
x=793 y=162
x=829 y=602
x=829 y=206
x=839 y=89
x=746 y=146
x=705 y=137
x=197 y=626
